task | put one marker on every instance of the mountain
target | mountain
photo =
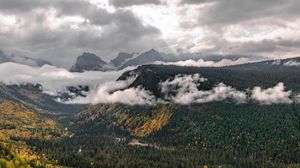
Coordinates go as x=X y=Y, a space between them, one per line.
x=235 y=135
x=152 y=56
x=121 y=58
x=265 y=74
x=32 y=95
x=214 y=57
x=89 y=62
x=21 y=123
x=144 y=58
x=215 y=134
x=23 y=60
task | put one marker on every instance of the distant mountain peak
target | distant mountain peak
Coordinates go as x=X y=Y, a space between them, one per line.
x=153 y=50
x=145 y=58
x=90 y=56
x=121 y=58
x=89 y=62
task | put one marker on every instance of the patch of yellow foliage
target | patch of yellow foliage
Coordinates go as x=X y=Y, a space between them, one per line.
x=11 y=158
x=144 y=125
x=19 y=121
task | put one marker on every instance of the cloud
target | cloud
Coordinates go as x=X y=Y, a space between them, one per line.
x=195 y=1
x=103 y=87
x=203 y=63
x=122 y=3
x=292 y=63
x=52 y=79
x=184 y=90
x=236 y=11
x=117 y=92
x=60 y=30
x=275 y=95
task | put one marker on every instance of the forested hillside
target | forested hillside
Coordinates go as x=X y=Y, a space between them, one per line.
x=214 y=134
x=265 y=74
x=18 y=124
x=165 y=134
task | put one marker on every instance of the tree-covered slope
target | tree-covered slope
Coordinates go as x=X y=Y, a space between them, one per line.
x=264 y=74
x=20 y=123
x=223 y=133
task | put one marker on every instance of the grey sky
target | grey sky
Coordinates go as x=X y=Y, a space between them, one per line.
x=60 y=30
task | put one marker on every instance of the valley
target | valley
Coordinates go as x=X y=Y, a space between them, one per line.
x=149 y=84
x=216 y=133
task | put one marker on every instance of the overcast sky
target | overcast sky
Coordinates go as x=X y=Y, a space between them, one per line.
x=60 y=30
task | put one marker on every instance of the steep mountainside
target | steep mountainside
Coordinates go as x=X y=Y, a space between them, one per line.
x=33 y=96
x=19 y=124
x=216 y=134
x=265 y=74
x=117 y=118
x=223 y=133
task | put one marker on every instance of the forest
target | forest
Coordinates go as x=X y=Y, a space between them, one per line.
x=215 y=134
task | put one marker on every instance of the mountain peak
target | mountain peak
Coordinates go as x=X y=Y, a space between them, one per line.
x=89 y=56
x=121 y=58
x=88 y=62
x=152 y=51
x=145 y=58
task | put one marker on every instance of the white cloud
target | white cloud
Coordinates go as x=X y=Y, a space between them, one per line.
x=184 y=90
x=203 y=63
x=292 y=63
x=53 y=79
x=275 y=95
x=104 y=88
x=117 y=92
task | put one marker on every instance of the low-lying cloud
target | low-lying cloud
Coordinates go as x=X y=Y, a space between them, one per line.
x=117 y=92
x=187 y=91
x=292 y=63
x=182 y=89
x=53 y=79
x=203 y=63
x=275 y=95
